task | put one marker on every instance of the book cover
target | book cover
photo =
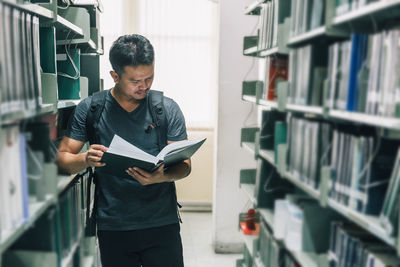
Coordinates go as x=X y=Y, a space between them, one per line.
x=122 y=155
x=278 y=72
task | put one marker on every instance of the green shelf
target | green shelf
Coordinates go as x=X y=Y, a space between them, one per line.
x=268 y=104
x=252 y=51
x=88 y=261
x=362 y=118
x=67 y=260
x=67 y=103
x=253 y=8
x=65 y=25
x=249 y=146
x=307 y=37
x=310 y=259
x=268 y=155
x=64 y=181
x=314 y=110
x=268 y=216
x=27 y=114
x=269 y=52
x=380 y=11
x=249 y=98
x=249 y=189
x=250 y=242
x=306 y=188
x=367 y=222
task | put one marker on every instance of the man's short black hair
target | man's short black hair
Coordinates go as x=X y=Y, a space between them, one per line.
x=131 y=50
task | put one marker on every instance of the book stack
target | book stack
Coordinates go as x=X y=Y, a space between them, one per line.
x=276 y=70
x=308 y=146
x=361 y=166
x=344 y=6
x=363 y=74
x=14 y=198
x=70 y=208
x=307 y=72
x=296 y=224
x=270 y=252
x=349 y=246
x=20 y=78
x=306 y=15
x=57 y=233
x=272 y=14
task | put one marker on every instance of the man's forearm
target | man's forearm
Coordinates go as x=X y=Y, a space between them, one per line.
x=71 y=163
x=177 y=171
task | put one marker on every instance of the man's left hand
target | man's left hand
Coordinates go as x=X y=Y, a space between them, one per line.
x=147 y=178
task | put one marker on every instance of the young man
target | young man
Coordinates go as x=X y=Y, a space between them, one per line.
x=137 y=218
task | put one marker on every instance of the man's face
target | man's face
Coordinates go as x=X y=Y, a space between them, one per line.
x=135 y=82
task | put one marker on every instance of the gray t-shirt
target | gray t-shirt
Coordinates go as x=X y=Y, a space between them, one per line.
x=124 y=204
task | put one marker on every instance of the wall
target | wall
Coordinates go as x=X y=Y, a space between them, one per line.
x=195 y=191
x=229 y=201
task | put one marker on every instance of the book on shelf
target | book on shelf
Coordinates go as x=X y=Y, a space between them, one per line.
x=20 y=74
x=389 y=216
x=307 y=149
x=57 y=230
x=362 y=74
x=269 y=252
x=299 y=228
x=13 y=180
x=350 y=246
x=361 y=166
x=280 y=137
x=344 y=6
x=307 y=71
x=122 y=155
x=276 y=71
x=267 y=131
x=272 y=14
x=306 y=16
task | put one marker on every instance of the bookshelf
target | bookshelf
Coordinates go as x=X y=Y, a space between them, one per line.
x=380 y=10
x=338 y=24
x=307 y=37
x=32 y=119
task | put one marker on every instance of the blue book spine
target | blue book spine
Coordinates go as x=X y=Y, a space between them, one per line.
x=24 y=176
x=351 y=96
x=361 y=57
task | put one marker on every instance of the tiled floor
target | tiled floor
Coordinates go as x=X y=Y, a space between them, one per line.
x=196 y=232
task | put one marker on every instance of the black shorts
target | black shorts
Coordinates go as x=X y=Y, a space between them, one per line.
x=153 y=247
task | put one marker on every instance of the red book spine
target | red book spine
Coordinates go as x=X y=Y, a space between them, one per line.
x=278 y=72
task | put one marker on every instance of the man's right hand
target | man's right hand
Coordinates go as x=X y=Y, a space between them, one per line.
x=94 y=154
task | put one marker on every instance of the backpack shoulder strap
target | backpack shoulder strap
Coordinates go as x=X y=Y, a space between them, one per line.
x=158 y=115
x=93 y=115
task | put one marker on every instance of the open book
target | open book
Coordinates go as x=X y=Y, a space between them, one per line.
x=122 y=155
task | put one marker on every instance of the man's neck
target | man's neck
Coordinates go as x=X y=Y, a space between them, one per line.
x=128 y=104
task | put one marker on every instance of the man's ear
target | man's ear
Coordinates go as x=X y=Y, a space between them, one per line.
x=114 y=76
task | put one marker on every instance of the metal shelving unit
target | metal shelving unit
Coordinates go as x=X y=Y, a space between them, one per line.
x=307 y=37
x=67 y=103
x=381 y=10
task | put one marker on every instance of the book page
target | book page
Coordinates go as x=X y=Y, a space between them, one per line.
x=176 y=146
x=122 y=147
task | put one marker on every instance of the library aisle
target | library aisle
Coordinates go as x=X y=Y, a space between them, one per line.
x=198 y=250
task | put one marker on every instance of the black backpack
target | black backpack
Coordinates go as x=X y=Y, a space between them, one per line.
x=157 y=111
